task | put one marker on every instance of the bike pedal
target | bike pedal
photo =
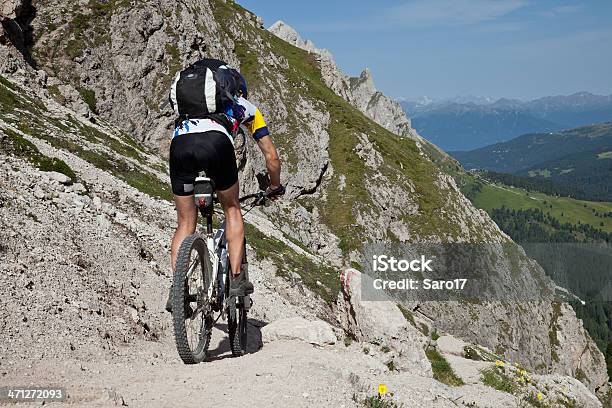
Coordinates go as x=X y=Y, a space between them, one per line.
x=247 y=303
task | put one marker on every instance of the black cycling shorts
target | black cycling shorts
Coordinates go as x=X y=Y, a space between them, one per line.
x=192 y=153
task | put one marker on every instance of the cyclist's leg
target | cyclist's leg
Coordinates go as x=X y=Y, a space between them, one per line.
x=234 y=227
x=187 y=218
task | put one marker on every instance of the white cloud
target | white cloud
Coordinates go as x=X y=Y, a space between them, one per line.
x=502 y=27
x=431 y=13
x=452 y=12
x=562 y=10
x=569 y=44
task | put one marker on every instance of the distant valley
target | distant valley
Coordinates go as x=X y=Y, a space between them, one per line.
x=467 y=123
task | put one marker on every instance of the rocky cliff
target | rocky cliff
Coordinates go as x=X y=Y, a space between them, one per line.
x=359 y=92
x=81 y=96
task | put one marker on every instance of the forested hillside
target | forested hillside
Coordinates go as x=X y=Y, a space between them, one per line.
x=529 y=150
x=571 y=239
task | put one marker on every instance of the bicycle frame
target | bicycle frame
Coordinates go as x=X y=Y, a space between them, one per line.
x=216 y=244
x=217 y=251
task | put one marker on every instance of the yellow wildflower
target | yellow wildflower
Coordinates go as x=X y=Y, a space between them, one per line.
x=382 y=389
x=539 y=396
x=499 y=363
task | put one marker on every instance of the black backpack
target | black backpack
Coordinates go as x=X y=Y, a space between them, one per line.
x=204 y=88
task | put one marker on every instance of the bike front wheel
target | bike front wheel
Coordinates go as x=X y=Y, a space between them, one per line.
x=191 y=312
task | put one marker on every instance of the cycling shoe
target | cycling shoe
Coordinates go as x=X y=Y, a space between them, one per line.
x=188 y=310
x=241 y=287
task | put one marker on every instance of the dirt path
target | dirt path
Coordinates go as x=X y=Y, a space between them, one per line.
x=281 y=374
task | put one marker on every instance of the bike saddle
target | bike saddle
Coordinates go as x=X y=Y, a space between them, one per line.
x=204 y=191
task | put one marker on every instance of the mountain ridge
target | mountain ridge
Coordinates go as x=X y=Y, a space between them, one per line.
x=463 y=126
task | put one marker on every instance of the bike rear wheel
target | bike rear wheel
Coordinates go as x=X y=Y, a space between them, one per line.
x=191 y=313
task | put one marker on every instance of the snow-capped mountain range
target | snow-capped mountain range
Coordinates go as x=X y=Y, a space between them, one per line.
x=464 y=123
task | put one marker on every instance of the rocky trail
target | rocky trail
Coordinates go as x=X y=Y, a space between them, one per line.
x=87 y=323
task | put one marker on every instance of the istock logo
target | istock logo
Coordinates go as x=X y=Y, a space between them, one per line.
x=384 y=263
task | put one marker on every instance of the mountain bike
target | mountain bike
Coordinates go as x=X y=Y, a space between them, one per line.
x=200 y=292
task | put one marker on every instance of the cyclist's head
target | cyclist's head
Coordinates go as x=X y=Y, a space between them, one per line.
x=241 y=83
x=243 y=86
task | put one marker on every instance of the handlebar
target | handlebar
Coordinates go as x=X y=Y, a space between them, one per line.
x=261 y=196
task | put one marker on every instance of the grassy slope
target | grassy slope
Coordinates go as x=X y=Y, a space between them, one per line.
x=496 y=196
x=31 y=117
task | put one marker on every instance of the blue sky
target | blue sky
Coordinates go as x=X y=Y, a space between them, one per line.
x=443 y=48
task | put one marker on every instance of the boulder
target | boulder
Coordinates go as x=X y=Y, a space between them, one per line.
x=9 y=9
x=297 y=328
x=59 y=177
x=381 y=322
x=451 y=345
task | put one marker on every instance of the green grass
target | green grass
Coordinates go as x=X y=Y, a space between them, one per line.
x=407 y=315
x=580 y=375
x=532 y=399
x=376 y=401
x=123 y=145
x=12 y=97
x=563 y=208
x=174 y=60
x=21 y=147
x=605 y=155
x=442 y=371
x=89 y=97
x=56 y=94
x=401 y=156
x=494 y=377
x=287 y=260
x=539 y=172
x=249 y=64
x=471 y=353
x=553 y=329
x=9 y=100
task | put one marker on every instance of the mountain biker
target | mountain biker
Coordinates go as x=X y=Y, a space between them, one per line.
x=206 y=144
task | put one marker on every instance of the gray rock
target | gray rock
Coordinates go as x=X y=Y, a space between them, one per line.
x=97 y=203
x=286 y=32
x=10 y=9
x=121 y=217
x=297 y=328
x=39 y=193
x=382 y=109
x=78 y=188
x=451 y=345
x=59 y=177
x=103 y=222
x=381 y=322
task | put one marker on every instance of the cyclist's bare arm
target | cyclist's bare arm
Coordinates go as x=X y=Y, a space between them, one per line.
x=273 y=163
